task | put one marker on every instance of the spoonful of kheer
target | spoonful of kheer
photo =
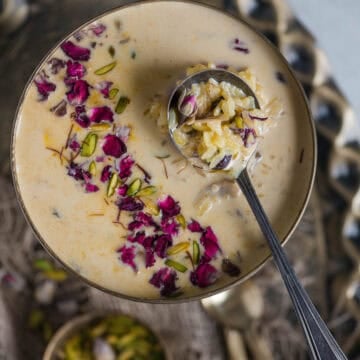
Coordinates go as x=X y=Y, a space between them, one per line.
x=218 y=130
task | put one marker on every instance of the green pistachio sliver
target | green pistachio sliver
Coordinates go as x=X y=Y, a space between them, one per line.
x=122 y=104
x=176 y=265
x=43 y=264
x=151 y=206
x=105 y=69
x=134 y=187
x=36 y=318
x=113 y=183
x=113 y=92
x=89 y=145
x=181 y=246
x=147 y=191
x=92 y=168
x=196 y=252
x=181 y=220
x=56 y=275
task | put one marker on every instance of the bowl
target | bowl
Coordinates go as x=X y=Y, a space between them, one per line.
x=79 y=323
x=283 y=180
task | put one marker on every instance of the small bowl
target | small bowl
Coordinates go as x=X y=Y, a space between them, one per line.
x=82 y=321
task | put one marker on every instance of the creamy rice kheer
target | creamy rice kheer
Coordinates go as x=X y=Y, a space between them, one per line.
x=104 y=186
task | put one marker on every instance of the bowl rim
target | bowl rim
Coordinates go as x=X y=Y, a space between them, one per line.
x=205 y=293
x=80 y=321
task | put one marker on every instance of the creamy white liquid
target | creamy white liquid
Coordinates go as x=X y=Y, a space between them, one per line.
x=167 y=38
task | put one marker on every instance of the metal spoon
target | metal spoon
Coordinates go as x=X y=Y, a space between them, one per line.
x=320 y=341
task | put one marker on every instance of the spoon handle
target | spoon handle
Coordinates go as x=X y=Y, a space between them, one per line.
x=322 y=344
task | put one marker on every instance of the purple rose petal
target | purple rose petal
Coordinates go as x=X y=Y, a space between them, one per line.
x=75 y=70
x=130 y=204
x=210 y=242
x=97 y=29
x=75 y=52
x=78 y=93
x=106 y=173
x=91 y=188
x=194 y=226
x=149 y=258
x=204 y=275
x=77 y=172
x=104 y=87
x=125 y=167
x=121 y=190
x=162 y=244
x=101 y=113
x=44 y=87
x=169 y=226
x=80 y=116
x=128 y=256
x=56 y=65
x=73 y=144
x=240 y=46
x=145 y=219
x=139 y=238
x=169 y=207
x=113 y=146
x=164 y=279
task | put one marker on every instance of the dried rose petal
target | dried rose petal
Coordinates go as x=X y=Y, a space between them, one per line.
x=75 y=52
x=162 y=244
x=121 y=190
x=240 y=46
x=60 y=108
x=123 y=133
x=104 y=87
x=169 y=226
x=101 y=113
x=164 y=279
x=210 y=242
x=188 y=105
x=128 y=256
x=74 y=145
x=134 y=225
x=169 y=207
x=91 y=188
x=56 y=65
x=130 y=204
x=149 y=258
x=78 y=93
x=139 y=238
x=113 y=146
x=75 y=70
x=97 y=29
x=77 y=172
x=145 y=219
x=194 y=226
x=44 y=87
x=80 y=116
x=105 y=173
x=204 y=275
x=125 y=166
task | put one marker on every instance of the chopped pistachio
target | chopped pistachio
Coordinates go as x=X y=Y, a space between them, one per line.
x=100 y=127
x=113 y=183
x=181 y=246
x=147 y=191
x=127 y=355
x=92 y=168
x=134 y=187
x=150 y=206
x=239 y=121
x=43 y=264
x=196 y=252
x=98 y=330
x=105 y=69
x=122 y=104
x=56 y=275
x=112 y=93
x=89 y=145
x=176 y=265
x=181 y=220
